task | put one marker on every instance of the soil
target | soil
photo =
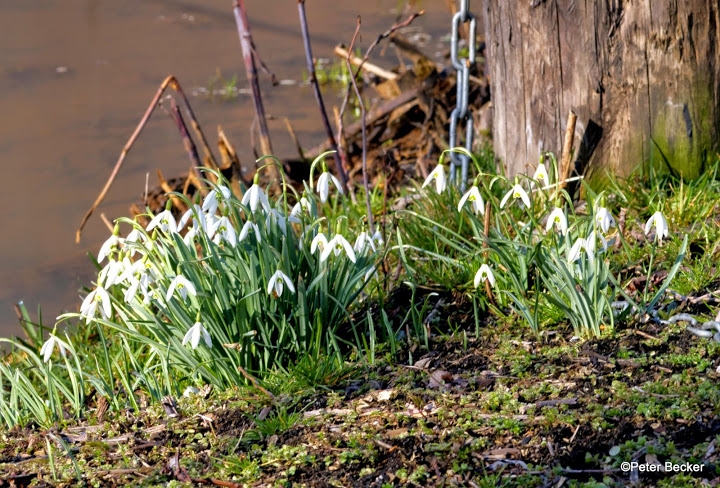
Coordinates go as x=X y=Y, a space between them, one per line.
x=504 y=409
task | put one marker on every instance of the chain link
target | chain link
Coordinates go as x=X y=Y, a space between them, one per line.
x=460 y=115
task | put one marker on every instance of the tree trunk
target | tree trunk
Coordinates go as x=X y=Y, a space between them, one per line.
x=643 y=77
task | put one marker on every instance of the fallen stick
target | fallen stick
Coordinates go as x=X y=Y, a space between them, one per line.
x=342 y=52
x=372 y=116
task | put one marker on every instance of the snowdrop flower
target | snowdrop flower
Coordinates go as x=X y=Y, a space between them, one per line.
x=323 y=185
x=474 y=197
x=255 y=195
x=275 y=217
x=246 y=230
x=336 y=245
x=557 y=218
x=134 y=239
x=661 y=226
x=131 y=291
x=182 y=285
x=587 y=245
x=96 y=299
x=194 y=333
x=110 y=274
x=137 y=274
x=223 y=230
x=541 y=174
x=196 y=213
x=318 y=242
x=604 y=219
x=212 y=199
x=113 y=243
x=303 y=204
x=189 y=237
x=516 y=192
x=275 y=284
x=47 y=348
x=484 y=274
x=362 y=242
x=163 y=221
x=437 y=175
x=378 y=238
x=592 y=237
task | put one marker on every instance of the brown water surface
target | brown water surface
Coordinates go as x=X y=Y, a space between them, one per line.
x=75 y=78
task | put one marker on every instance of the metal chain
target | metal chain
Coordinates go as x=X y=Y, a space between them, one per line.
x=460 y=114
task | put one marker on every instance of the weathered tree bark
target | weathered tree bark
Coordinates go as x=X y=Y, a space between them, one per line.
x=643 y=77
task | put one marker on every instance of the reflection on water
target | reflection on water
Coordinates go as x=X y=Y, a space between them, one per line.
x=75 y=78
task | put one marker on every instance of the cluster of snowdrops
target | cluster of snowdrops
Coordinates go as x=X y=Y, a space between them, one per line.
x=255 y=283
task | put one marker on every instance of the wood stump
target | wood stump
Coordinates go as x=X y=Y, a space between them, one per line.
x=643 y=77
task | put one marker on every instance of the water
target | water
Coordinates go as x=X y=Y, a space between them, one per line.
x=75 y=78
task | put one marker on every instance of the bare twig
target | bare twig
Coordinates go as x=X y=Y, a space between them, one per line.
x=170 y=82
x=187 y=141
x=363 y=114
x=353 y=87
x=248 y=50
x=343 y=52
x=486 y=230
x=107 y=222
x=318 y=95
x=256 y=384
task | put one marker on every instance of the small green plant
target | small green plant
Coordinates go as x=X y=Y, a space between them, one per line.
x=531 y=251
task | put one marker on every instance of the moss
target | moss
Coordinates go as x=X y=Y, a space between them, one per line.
x=682 y=131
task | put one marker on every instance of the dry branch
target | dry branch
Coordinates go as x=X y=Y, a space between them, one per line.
x=170 y=82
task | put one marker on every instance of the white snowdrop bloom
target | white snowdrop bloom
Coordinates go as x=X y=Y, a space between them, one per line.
x=182 y=285
x=47 y=348
x=476 y=200
x=516 y=192
x=276 y=283
x=189 y=237
x=193 y=336
x=111 y=273
x=302 y=206
x=131 y=291
x=98 y=299
x=246 y=230
x=336 y=245
x=661 y=226
x=223 y=230
x=541 y=175
x=557 y=218
x=591 y=240
x=378 y=238
x=213 y=199
x=587 y=245
x=484 y=274
x=319 y=242
x=438 y=176
x=362 y=242
x=111 y=245
x=604 y=219
x=210 y=224
x=163 y=221
x=323 y=185
x=274 y=217
x=197 y=215
x=133 y=242
x=253 y=196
